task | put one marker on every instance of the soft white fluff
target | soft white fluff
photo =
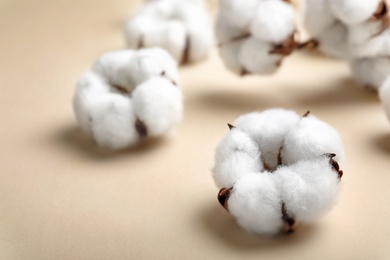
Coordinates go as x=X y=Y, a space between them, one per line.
x=127 y=96
x=255 y=203
x=317 y=16
x=236 y=155
x=273 y=22
x=158 y=104
x=308 y=189
x=172 y=25
x=384 y=94
x=334 y=41
x=352 y=11
x=371 y=72
x=268 y=129
x=309 y=139
x=249 y=34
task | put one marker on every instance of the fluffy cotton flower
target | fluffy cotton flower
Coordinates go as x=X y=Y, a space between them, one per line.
x=127 y=96
x=182 y=27
x=371 y=72
x=275 y=168
x=254 y=37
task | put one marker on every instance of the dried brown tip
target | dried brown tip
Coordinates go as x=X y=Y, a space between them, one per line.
x=381 y=14
x=141 y=128
x=162 y=73
x=244 y=72
x=185 y=58
x=289 y=222
x=230 y=126
x=335 y=165
x=223 y=197
x=306 y=114
x=310 y=44
x=121 y=89
x=140 y=42
x=280 y=157
x=286 y=47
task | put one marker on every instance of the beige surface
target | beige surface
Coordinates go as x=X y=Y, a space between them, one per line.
x=63 y=198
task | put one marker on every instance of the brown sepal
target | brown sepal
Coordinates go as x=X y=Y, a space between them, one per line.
x=185 y=58
x=230 y=126
x=289 y=222
x=286 y=47
x=335 y=164
x=223 y=197
x=141 y=128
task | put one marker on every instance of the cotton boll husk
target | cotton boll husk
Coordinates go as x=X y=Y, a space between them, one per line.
x=317 y=16
x=384 y=94
x=115 y=67
x=238 y=14
x=148 y=63
x=311 y=138
x=228 y=53
x=88 y=88
x=158 y=104
x=225 y=32
x=334 y=41
x=371 y=72
x=255 y=203
x=235 y=156
x=255 y=57
x=352 y=12
x=274 y=21
x=268 y=129
x=309 y=189
x=137 y=28
x=113 y=121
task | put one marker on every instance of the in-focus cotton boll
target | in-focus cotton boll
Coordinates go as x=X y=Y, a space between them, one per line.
x=254 y=37
x=384 y=94
x=371 y=72
x=309 y=139
x=353 y=12
x=268 y=129
x=158 y=104
x=256 y=205
x=182 y=27
x=128 y=96
x=308 y=189
x=236 y=155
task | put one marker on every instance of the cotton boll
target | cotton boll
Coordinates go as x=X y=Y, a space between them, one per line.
x=158 y=105
x=317 y=16
x=237 y=14
x=334 y=41
x=268 y=129
x=229 y=56
x=255 y=57
x=384 y=94
x=309 y=139
x=274 y=21
x=115 y=66
x=309 y=189
x=352 y=12
x=112 y=122
x=371 y=72
x=236 y=155
x=137 y=29
x=225 y=32
x=255 y=203
x=88 y=88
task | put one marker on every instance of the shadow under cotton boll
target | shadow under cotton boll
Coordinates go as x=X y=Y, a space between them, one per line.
x=383 y=142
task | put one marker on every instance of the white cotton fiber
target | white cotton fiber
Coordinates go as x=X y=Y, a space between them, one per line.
x=225 y=32
x=352 y=12
x=255 y=203
x=255 y=57
x=235 y=156
x=158 y=104
x=228 y=53
x=273 y=22
x=334 y=40
x=238 y=14
x=317 y=16
x=268 y=129
x=114 y=66
x=181 y=27
x=384 y=94
x=128 y=96
x=371 y=72
x=309 y=139
x=308 y=189
x=112 y=121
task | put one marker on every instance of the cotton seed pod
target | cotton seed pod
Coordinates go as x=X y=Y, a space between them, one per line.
x=371 y=72
x=255 y=203
x=384 y=94
x=352 y=12
x=236 y=155
x=308 y=189
x=129 y=96
x=309 y=139
x=182 y=27
x=268 y=129
x=255 y=37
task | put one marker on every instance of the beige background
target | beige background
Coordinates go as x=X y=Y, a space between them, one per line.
x=63 y=198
